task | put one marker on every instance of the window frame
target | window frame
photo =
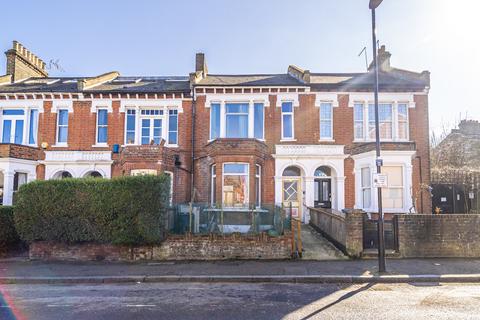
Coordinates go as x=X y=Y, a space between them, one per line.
x=98 y=126
x=401 y=188
x=247 y=183
x=237 y=114
x=170 y=114
x=364 y=188
x=219 y=120
x=33 y=127
x=57 y=141
x=394 y=121
x=292 y=114
x=330 y=120
x=258 y=184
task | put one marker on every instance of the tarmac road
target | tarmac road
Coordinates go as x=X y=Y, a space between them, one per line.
x=240 y=301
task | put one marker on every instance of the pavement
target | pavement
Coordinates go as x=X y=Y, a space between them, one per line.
x=192 y=301
x=23 y=271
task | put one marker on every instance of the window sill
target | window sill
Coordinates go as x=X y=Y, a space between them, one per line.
x=381 y=140
x=287 y=140
x=100 y=145
x=60 y=145
x=326 y=140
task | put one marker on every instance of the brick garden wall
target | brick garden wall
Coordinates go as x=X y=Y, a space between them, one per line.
x=212 y=247
x=445 y=235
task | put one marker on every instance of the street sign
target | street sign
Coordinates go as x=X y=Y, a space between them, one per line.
x=379 y=162
x=380 y=180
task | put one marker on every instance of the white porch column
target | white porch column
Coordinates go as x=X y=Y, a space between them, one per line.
x=8 y=188
x=223 y=125
x=340 y=193
x=408 y=190
x=278 y=190
x=309 y=197
x=251 y=126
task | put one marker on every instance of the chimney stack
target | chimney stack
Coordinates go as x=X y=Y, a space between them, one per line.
x=201 y=64
x=383 y=59
x=22 y=63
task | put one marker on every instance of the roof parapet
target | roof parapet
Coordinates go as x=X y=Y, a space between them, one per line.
x=89 y=83
x=6 y=79
x=299 y=73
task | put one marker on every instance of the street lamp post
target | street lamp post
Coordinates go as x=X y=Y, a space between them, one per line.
x=381 y=237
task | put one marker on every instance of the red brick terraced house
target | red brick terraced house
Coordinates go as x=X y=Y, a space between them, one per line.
x=237 y=140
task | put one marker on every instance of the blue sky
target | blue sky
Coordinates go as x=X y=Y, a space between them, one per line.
x=257 y=36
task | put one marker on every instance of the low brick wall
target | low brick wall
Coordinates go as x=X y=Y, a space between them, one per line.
x=345 y=230
x=209 y=247
x=444 y=235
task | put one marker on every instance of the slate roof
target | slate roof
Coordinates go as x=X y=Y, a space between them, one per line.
x=119 y=85
x=250 y=80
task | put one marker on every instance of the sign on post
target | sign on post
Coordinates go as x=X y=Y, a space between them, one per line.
x=380 y=180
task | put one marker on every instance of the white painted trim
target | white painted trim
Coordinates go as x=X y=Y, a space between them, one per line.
x=383 y=97
x=329 y=97
x=62 y=104
x=22 y=104
x=236 y=98
x=151 y=104
x=101 y=104
x=288 y=97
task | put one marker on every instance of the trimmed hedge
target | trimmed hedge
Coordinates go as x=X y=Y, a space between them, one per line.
x=8 y=235
x=125 y=210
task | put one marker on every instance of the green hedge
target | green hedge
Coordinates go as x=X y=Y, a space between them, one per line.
x=8 y=235
x=125 y=210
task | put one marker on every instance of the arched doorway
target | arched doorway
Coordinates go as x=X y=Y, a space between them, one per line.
x=93 y=174
x=292 y=190
x=323 y=187
x=62 y=175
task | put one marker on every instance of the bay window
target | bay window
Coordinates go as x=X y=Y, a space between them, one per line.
x=237 y=120
x=235 y=184
x=392 y=196
x=393 y=121
x=326 y=121
x=287 y=120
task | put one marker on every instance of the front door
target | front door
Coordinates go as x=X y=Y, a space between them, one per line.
x=323 y=193
x=291 y=196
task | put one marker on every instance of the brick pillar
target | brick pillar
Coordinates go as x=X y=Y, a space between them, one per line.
x=354 y=234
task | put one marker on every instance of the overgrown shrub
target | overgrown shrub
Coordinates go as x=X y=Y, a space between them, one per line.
x=8 y=235
x=125 y=210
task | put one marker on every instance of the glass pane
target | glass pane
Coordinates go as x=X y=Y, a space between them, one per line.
x=366 y=197
x=172 y=137
x=237 y=126
x=325 y=191
x=235 y=168
x=358 y=112
x=102 y=135
x=292 y=172
x=323 y=171
x=325 y=129
x=392 y=198
x=130 y=137
x=326 y=111
x=32 y=132
x=235 y=191
x=287 y=107
x=402 y=130
x=102 y=117
x=287 y=126
x=366 y=177
x=7 y=130
x=172 y=122
x=259 y=118
x=385 y=112
x=62 y=134
x=131 y=121
x=358 y=130
x=394 y=176
x=63 y=117
x=214 y=121
x=385 y=130
x=290 y=190
x=402 y=112
x=13 y=112
x=236 y=108
x=145 y=140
